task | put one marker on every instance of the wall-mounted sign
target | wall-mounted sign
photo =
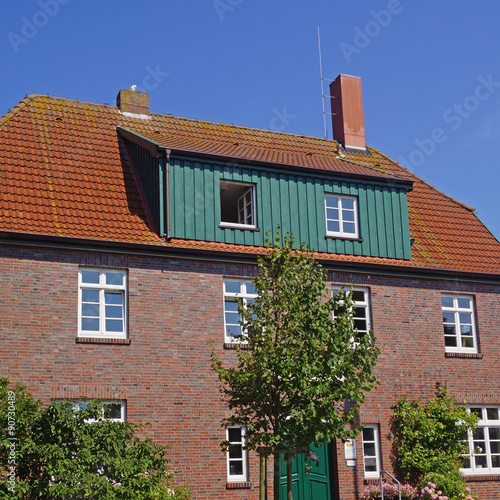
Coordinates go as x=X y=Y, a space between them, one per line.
x=350 y=449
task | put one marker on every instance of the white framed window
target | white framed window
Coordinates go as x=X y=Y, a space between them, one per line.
x=484 y=442
x=371 y=451
x=341 y=216
x=458 y=323
x=361 y=309
x=237 y=204
x=102 y=297
x=234 y=292
x=237 y=462
x=114 y=411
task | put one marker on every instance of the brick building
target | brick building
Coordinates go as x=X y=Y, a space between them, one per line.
x=125 y=237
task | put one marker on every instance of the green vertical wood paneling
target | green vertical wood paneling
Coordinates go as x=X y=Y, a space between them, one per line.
x=321 y=244
x=294 y=207
x=189 y=197
x=303 y=231
x=217 y=172
x=312 y=203
x=178 y=201
x=265 y=194
x=275 y=201
x=295 y=202
x=371 y=214
x=284 y=197
x=398 y=231
x=380 y=214
x=389 y=222
x=405 y=225
x=199 y=205
x=209 y=191
x=364 y=248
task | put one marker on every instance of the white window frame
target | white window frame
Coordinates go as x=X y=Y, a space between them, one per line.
x=245 y=207
x=358 y=304
x=102 y=287
x=376 y=443
x=456 y=310
x=233 y=297
x=78 y=405
x=244 y=457
x=342 y=212
x=486 y=426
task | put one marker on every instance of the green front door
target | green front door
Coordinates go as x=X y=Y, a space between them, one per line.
x=309 y=481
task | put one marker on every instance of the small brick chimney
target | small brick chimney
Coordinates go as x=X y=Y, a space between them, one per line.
x=130 y=101
x=347 y=112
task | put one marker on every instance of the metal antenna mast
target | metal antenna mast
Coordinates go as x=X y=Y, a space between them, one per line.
x=322 y=89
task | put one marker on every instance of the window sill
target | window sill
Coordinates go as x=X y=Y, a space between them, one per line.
x=371 y=480
x=99 y=340
x=466 y=355
x=240 y=485
x=474 y=477
x=243 y=227
x=233 y=345
x=340 y=237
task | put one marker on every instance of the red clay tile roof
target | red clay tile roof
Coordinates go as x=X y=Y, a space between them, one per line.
x=62 y=174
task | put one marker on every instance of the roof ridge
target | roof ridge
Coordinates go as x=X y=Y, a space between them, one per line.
x=242 y=127
x=170 y=115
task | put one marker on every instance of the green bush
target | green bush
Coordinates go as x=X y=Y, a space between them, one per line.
x=55 y=452
x=429 y=441
x=452 y=484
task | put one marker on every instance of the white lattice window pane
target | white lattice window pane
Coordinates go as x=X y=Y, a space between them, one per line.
x=349 y=228
x=341 y=216
x=236 y=292
x=447 y=301
x=492 y=413
x=91 y=277
x=236 y=455
x=102 y=302
x=114 y=279
x=458 y=323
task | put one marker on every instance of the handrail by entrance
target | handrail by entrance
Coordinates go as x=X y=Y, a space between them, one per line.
x=382 y=484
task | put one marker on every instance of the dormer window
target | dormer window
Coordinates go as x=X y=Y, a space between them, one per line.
x=237 y=205
x=341 y=216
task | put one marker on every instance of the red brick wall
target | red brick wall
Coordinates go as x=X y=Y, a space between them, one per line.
x=407 y=321
x=165 y=375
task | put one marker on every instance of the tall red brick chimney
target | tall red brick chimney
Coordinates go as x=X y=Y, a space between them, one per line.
x=347 y=112
x=130 y=101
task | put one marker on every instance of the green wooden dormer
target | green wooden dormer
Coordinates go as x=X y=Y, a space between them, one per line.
x=354 y=210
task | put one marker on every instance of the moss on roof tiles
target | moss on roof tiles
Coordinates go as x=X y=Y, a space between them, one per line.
x=54 y=149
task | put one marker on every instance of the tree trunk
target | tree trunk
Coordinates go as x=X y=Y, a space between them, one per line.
x=263 y=477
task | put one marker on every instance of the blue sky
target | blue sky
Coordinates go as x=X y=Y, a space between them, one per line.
x=430 y=70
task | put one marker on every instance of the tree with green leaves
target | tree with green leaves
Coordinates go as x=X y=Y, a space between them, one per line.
x=302 y=361
x=430 y=441
x=56 y=452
